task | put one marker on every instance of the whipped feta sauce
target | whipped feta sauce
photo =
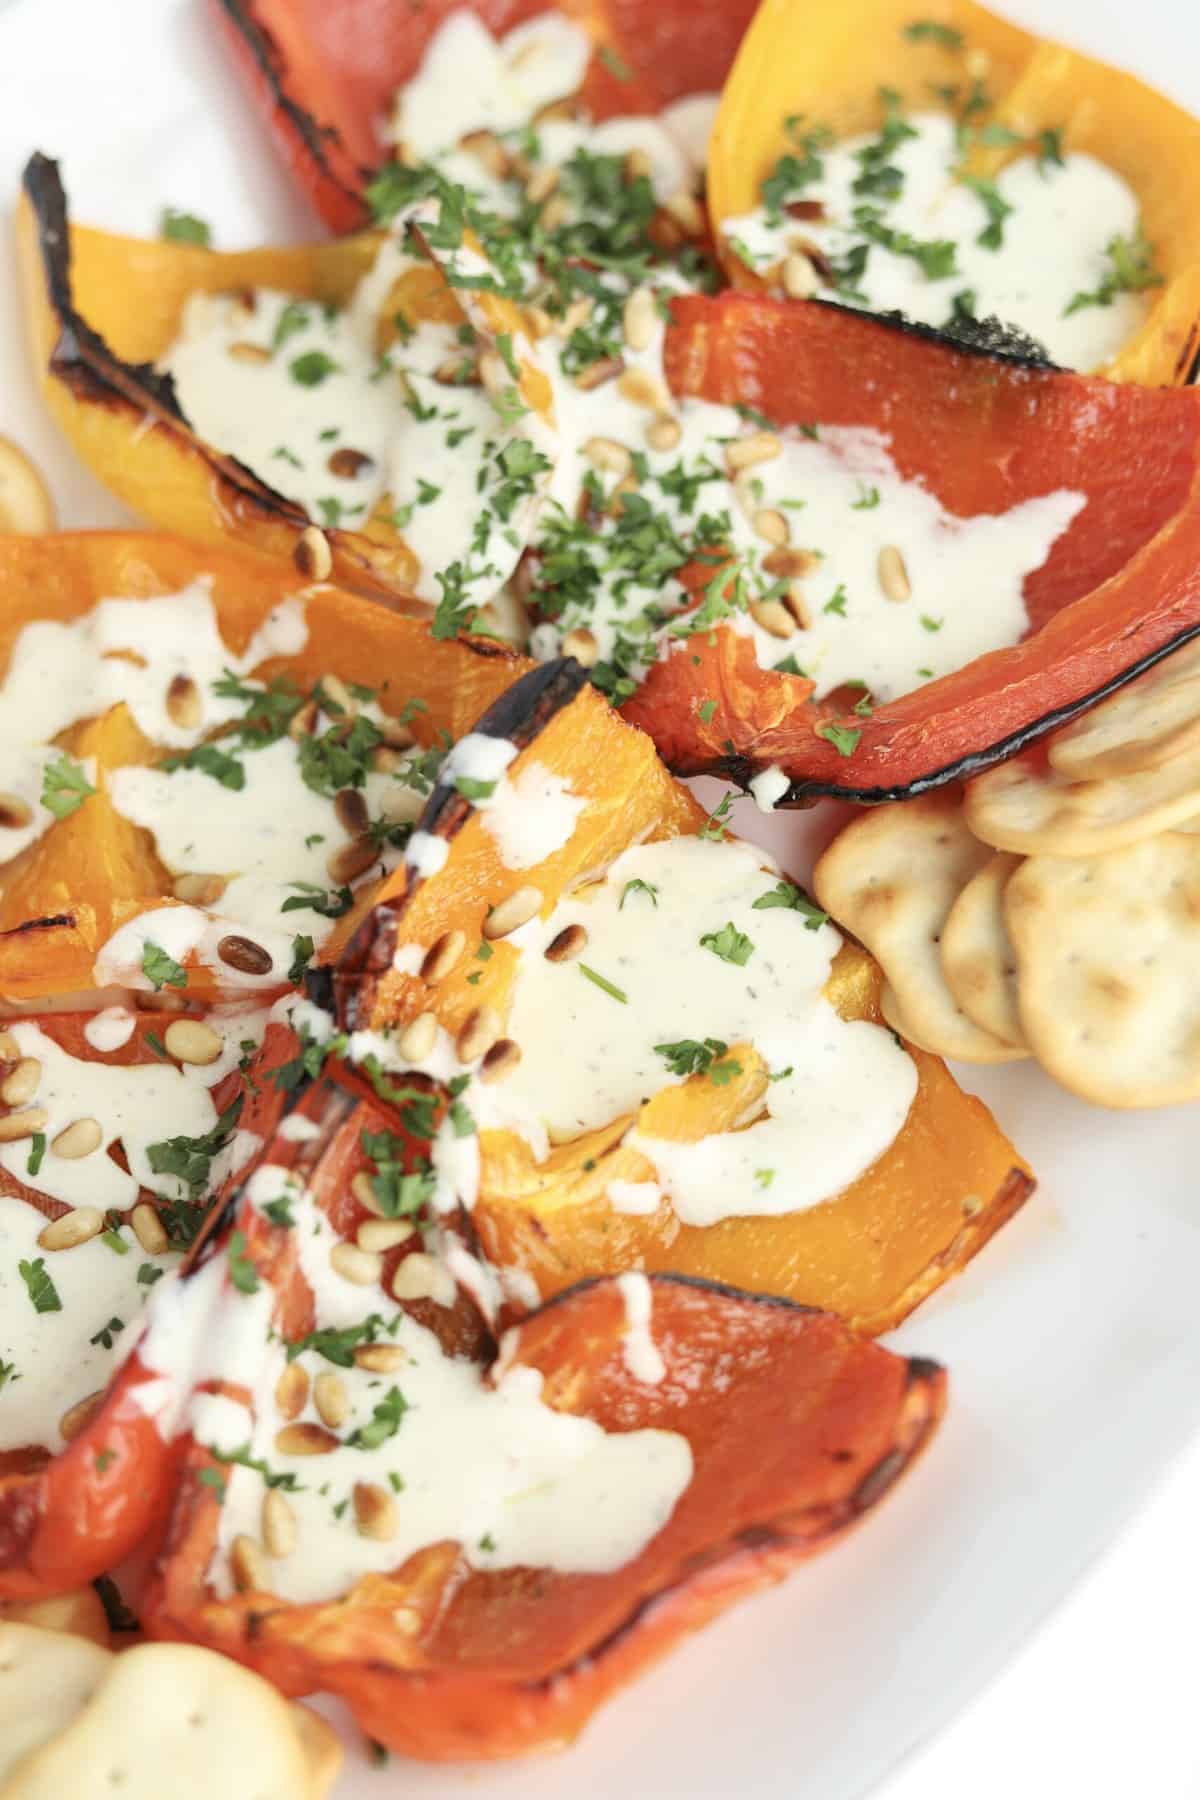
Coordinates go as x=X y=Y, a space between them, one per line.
x=643 y=1358
x=110 y=1028
x=1058 y=215
x=437 y=1451
x=694 y=956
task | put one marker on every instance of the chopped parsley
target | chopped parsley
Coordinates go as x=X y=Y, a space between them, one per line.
x=242 y=1271
x=690 y=1057
x=786 y=893
x=160 y=969
x=184 y=228
x=1131 y=271
x=996 y=207
x=337 y=1345
x=844 y=740
x=619 y=69
x=311 y=368
x=730 y=944
x=868 y=497
x=302 y=955
x=148 y=1274
x=37 y=1149
x=600 y=981
x=384 y=1423
x=402 y=1191
x=189 y=1159
x=38 y=1285
x=210 y=760
x=638 y=886
x=65 y=787
x=107 y=1334
x=932 y=31
x=716 y=825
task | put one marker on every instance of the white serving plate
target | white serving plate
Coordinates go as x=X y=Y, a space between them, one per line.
x=1073 y=1341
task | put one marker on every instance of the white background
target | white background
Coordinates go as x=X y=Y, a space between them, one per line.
x=1074 y=1342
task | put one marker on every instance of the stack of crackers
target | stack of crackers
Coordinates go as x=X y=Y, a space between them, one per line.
x=1051 y=907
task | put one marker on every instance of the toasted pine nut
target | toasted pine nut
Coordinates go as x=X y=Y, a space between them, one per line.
x=418 y=1037
x=772 y=525
x=73 y=1228
x=788 y=564
x=494 y=373
x=10 y=1050
x=638 y=166
x=79 y=1415
x=304 y=720
x=199 y=890
x=500 y=1060
x=78 y=1139
x=15 y=813
x=341 y=700
x=278 y=1524
x=331 y=1400
x=759 y=447
x=380 y=1359
x=640 y=319
x=185 y=707
x=348 y=463
x=244 y=955
x=363 y=1190
x=353 y=1264
x=774 y=617
x=312 y=555
x=555 y=213
x=605 y=453
x=248 y=1565
x=374 y=1510
x=352 y=860
x=797 y=604
x=511 y=913
x=664 y=432
x=23 y=1082
x=395 y=735
x=192 y=1041
x=419 y=1277
x=18 y=1125
x=686 y=211
x=378 y=1235
x=291 y=1390
x=442 y=956
x=149 y=1229
x=581 y=644
x=893 y=579
x=641 y=388
x=305 y=1439
x=605 y=368
x=568 y=944
x=25 y=503
x=479 y=1032
x=487 y=149
x=542 y=183
x=385 y=760
x=350 y=809
x=245 y=352
x=798 y=277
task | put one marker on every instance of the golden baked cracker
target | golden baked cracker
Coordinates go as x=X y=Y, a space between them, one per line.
x=891 y=878
x=1026 y=806
x=322 y=1750
x=80 y=1612
x=45 y=1679
x=1108 y=969
x=978 y=960
x=172 y=1719
x=1143 y=725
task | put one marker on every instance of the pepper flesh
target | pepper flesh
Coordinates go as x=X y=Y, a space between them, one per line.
x=67 y=1518
x=872 y=1253
x=828 y=64
x=91 y=872
x=325 y=71
x=983 y=433
x=796 y=1429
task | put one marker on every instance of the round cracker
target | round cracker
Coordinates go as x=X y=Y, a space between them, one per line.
x=1108 y=969
x=891 y=878
x=978 y=959
x=1026 y=806
x=80 y=1612
x=171 y=1719
x=46 y=1677
x=1143 y=725
x=322 y=1750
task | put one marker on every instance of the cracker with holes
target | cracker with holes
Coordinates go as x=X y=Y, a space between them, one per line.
x=175 y=1719
x=1028 y=807
x=1142 y=726
x=978 y=960
x=891 y=878
x=45 y=1679
x=1108 y=960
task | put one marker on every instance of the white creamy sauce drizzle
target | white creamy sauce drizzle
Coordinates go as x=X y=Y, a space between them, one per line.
x=1052 y=246
x=468 y=81
x=475 y=1459
x=768 y=788
x=643 y=1358
x=51 y=1364
x=532 y=816
x=634 y=1197
x=110 y=1028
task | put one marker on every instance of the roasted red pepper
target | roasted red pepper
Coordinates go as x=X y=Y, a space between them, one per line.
x=65 y=1519
x=327 y=70
x=796 y=1427
x=984 y=432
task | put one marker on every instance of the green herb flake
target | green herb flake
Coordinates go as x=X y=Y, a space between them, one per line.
x=37 y=1150
x=605 y=986
x=38 y=1285
x=730 y=944
x=107 y=1334
x=932 y=31
x=302 y=955
x=160 y=969
x=65 y=787
x=616 y=65
x=384 y=1424
x=787 y=894
x=184 y=228
x=638 y=886
x=242 y=1271
x=844 y=741
x=706 y=711
x=312 y=368
x=148 y=1274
